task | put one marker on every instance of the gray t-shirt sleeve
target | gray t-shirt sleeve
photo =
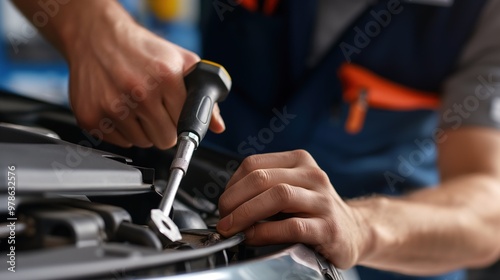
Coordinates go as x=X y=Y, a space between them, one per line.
x=471 y=96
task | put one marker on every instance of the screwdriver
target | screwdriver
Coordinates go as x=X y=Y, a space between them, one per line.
x=206 y=83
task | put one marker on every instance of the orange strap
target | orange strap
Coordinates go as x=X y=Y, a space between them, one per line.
x=383 y=93
x=363 y=89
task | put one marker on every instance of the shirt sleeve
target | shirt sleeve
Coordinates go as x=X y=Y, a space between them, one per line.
x=471 y=95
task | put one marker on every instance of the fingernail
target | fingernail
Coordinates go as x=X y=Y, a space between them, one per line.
x=226 y=223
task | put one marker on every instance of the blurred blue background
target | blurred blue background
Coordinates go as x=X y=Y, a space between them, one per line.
x=31 y=67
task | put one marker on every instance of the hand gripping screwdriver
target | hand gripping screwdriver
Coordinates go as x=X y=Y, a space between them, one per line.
x=206 y=83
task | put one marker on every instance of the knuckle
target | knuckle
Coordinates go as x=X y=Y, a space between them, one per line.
x=245 y=212
x=175 y=84
x=301 y=154
x=108 y=109
x=317 y=175
x=283 y=193
x=259 y=177
x=129 y=81
x=191 y=59
x=159 y=66
x=133 y=86
x=138 y=93
x=249 y=164
x=299 y=227
x=163 y=72
x=323 y=203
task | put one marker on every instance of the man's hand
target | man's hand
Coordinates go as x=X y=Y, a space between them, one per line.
x=292 y=183
x=126 y=84
x=427 y=232
x=136 y=82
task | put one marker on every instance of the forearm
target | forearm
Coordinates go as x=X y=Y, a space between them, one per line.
x=431 y=231
x=69 y=24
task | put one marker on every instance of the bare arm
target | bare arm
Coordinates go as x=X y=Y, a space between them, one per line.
x=65 y=22
x=126 y=84
x=453 y=226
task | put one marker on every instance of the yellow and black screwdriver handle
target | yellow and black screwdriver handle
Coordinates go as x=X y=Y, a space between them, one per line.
x=206 y=83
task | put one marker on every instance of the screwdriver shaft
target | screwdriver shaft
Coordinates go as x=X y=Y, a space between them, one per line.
x=187 y=143
x=174 y=180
